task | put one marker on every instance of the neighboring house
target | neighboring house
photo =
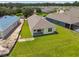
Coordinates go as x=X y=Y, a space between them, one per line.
x=7 y=25
x=39 y=25
x=68 y=19
x=48 y=9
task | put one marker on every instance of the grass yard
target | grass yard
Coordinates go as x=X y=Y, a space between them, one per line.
x=25 y=32
x=65 y=43
x=42 y=14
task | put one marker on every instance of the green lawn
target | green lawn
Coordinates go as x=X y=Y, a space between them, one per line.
x=25 y=32
x=42 y=14
x=65 y=43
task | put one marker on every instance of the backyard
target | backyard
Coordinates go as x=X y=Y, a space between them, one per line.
x=42 y=14
x=65 y=43
x=25 y=32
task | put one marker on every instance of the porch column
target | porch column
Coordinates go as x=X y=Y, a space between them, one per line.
x=70 y=26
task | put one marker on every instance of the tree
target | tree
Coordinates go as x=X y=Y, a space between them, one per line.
x=38 y=10
x=27 y=12
x=76 y=3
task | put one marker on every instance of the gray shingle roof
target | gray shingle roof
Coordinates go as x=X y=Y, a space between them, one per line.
x=38 y=22
x=77 y=23
x=71 y=16
x=43 y=23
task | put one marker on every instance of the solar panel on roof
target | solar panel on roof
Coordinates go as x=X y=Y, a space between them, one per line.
x=6 y=21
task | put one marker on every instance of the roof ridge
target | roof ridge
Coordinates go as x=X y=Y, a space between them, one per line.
x=37 y=22
x=31 y=18
x=43 y=19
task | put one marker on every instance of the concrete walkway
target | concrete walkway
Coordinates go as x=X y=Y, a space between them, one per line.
x=7 y=44
x=25 y=39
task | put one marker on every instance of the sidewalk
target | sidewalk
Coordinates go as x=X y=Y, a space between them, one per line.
x=7 y=44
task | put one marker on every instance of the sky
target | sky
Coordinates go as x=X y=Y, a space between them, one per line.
x=36 y=1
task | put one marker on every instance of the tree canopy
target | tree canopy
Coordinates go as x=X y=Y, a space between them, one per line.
x=26 y=9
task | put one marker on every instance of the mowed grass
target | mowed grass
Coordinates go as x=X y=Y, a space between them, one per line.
x=65 y=43
x=42 y=14
x=25 y=32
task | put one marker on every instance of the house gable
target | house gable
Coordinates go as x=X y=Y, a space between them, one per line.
x=33 y=20
x=43 y=23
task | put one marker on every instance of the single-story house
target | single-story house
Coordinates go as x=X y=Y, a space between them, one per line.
x=47 y=9
x=7 y=25
x=68 y=19
x=39 y=25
